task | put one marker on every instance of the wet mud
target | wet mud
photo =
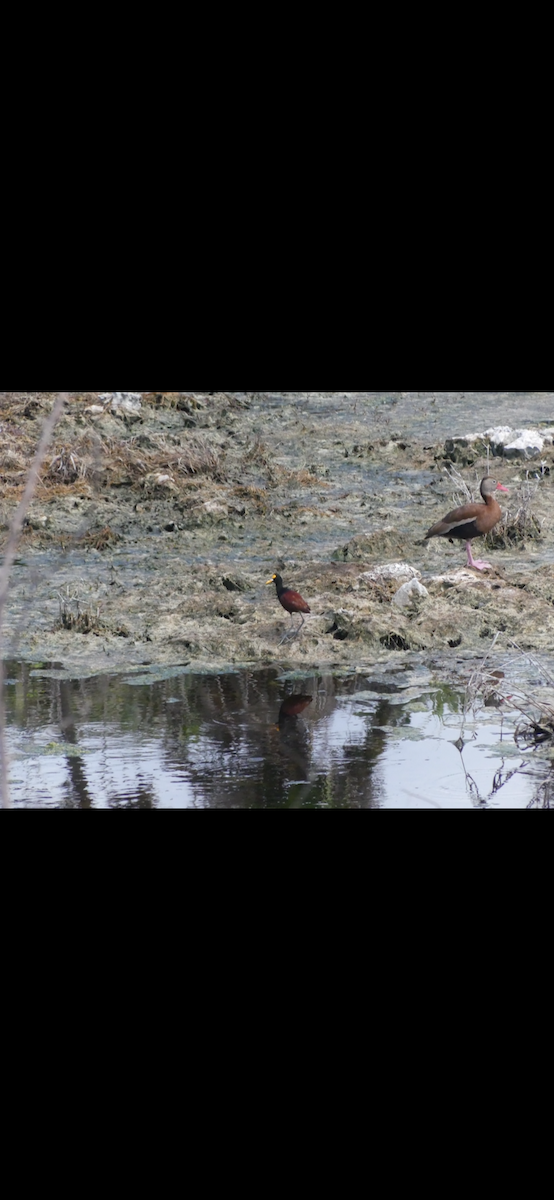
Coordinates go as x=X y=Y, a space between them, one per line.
x=157 y=524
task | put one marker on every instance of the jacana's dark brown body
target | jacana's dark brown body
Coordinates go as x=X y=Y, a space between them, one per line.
x=471 y=520
x=291 y=601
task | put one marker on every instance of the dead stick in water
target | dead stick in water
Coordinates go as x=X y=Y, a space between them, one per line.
x=10 y=551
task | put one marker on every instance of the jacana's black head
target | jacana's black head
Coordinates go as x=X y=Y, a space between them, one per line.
x=276 y=579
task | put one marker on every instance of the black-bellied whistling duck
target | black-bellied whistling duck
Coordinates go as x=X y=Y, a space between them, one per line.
x=472 y=520
x=292 y=602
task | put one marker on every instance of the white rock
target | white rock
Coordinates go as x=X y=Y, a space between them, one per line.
x=451 y=578
x=215 y=510
x=409 y=593
x=396 y=570
x=128 y=403
x=501 y=435
x=508 y=442
x=95 y=410
x=158 y=480
x=528 y=445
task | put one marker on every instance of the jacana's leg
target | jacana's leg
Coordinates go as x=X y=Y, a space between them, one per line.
x=300 y=625
x=478 y=563
x=293 y=632
x=289 y=633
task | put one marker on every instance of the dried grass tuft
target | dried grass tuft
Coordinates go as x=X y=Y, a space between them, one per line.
x=116 y=461
x=518 y=524
x=66 y=467
x=187 y=402
x=305 y=477
x=259 y=497
x=249 y=492
x=76 y=613
x=100 y=539
x=257 y=454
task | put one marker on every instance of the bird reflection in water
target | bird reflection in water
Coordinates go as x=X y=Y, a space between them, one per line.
x=295 y=740
x=292 y=707
x=76 y=785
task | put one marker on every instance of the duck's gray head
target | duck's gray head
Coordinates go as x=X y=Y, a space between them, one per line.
x=490 y=485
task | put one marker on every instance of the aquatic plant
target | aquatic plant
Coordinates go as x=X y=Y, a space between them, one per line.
x=536 y=707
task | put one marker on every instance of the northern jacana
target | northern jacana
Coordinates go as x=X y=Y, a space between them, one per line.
x=292 y=602
x=472 y=520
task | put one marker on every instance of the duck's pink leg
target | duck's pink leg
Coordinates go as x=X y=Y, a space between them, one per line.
x=475 y=562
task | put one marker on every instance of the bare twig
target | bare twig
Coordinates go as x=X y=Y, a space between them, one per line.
x=539 y=666
x=462 y=492
x=10 y=551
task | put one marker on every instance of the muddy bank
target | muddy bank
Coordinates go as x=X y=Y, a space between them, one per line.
x=161 y=515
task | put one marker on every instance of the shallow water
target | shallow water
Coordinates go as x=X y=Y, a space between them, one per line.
x=175 y=738
x=426 y=414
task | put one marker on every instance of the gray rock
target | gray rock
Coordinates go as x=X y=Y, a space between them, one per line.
x=37 y=521
x=213 y=510
x=369 y=544
x=338 y=621
x=400 y=571
x=465 y=449
x=454 y=578
x=234 y=583
x=409 y=594
x=161 y=480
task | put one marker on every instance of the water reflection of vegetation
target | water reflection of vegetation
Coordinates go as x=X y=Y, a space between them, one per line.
x=246 y=739
x=236 y=736
x=445 y=695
